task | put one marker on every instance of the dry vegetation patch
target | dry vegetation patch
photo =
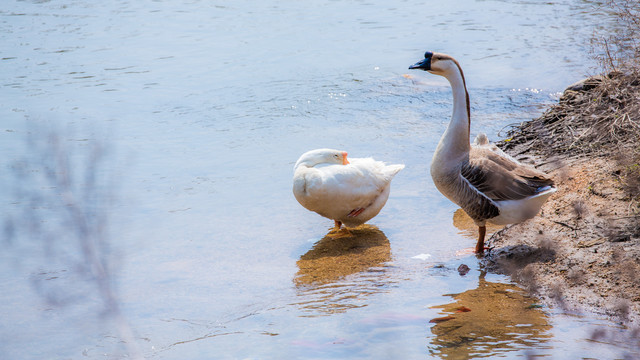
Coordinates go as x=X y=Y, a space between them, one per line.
x=583 y=251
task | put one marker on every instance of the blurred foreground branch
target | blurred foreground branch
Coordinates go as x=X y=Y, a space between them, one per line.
x=64 y=196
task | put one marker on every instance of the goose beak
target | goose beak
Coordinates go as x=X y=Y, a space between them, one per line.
x=344 y=158
x=423 y=64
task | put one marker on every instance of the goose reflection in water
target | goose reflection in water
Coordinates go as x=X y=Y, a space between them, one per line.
x=338 y=274
x=491 y=319
x=468 y=228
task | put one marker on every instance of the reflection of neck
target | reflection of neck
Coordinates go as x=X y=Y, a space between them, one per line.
x=455 y=140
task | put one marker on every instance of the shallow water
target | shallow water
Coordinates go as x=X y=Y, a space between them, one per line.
x=199 y=110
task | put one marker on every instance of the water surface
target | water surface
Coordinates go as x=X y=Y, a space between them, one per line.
x=199 y=109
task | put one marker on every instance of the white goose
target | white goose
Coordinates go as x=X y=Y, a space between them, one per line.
x=486 y=183
x=349 y=193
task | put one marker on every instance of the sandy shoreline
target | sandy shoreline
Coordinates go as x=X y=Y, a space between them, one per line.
x=582 y=252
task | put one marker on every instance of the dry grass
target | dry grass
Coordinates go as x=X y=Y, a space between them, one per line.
x=599 y=116
x=590 y=143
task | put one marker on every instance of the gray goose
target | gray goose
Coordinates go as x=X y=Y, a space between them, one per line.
x=486 y=183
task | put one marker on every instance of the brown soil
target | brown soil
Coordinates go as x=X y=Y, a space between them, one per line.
x=582 y=252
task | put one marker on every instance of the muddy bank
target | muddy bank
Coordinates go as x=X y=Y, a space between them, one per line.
x=582 y=253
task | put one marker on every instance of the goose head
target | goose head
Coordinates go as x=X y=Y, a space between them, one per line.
x=437 y=63
x=322 y=156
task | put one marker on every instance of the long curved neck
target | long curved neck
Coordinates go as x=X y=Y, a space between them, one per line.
x=303 y=164
x=308 y=162
x=455 y=141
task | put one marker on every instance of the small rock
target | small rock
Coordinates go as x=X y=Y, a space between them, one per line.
x=463 y=269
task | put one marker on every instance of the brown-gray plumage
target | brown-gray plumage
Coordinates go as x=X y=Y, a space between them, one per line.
x=489 y=185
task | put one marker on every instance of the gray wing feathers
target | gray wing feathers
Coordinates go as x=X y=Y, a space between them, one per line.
x=477 y=205
x=501 y=179
x=487 y=177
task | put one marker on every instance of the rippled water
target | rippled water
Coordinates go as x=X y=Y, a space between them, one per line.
x=199 y=109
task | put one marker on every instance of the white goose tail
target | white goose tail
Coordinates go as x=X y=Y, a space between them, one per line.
x=515 y=211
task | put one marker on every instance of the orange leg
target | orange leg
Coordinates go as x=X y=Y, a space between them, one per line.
x=338 y=231
x=482 y=231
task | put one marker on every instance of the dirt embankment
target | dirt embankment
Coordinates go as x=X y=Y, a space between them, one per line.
x=583 y=251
